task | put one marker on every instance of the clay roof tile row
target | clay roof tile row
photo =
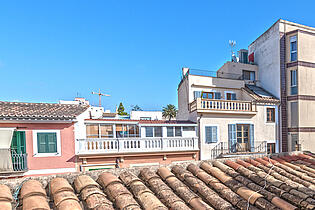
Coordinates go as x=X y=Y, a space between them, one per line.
x=39 y=111
x=256 y=183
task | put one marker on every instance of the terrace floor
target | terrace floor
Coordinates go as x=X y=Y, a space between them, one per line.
x=280 y=182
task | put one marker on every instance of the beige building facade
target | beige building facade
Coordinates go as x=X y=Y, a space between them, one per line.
x=233 y=114
x=285 y=55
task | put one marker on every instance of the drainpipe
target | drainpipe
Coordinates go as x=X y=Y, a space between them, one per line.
x=199 y=135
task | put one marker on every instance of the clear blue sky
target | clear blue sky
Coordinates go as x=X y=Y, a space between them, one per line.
x=132 y=50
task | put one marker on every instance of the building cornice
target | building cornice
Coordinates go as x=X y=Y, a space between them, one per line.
x=301 y=63
x=302 y=129
x=301 y=97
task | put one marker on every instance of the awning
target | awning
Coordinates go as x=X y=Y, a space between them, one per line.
x=5 y=153
x=6 y=137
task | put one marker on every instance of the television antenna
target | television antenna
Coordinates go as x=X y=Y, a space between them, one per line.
x=232 y=44
x=99 y=96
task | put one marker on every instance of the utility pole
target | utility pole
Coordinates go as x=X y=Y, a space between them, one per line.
x=99 y=96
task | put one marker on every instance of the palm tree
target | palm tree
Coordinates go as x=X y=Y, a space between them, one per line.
x=169 y=111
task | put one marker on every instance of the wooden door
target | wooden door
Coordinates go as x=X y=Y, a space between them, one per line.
x=243 y=138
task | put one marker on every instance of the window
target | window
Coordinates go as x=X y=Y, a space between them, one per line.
x=271 y=148
x=294 y=114
x=197 y=94
x=295 y=146
x=248 y=75
x=99 y=131
x=211 y=95
x=149 y=131
x=170 y=131
x=293 y=48
x=207 y=95
x=188 y=128
x=106 y=131
x=217 y=95
x=127 y=131
x=178 y=131
x=157 y=131
x=153 y=131
x=230 y=96
x=211 y=134
x=46 y=143
x=92 y=131
x=145 y=118
x=270 y=114
x=294 y=89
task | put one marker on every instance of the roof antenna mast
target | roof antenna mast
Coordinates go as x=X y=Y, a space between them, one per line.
x=99 y=96
x=232 y=44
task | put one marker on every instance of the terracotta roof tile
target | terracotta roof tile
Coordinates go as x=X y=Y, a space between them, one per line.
x=260 y=183
x=39 y=111
x=146 y=121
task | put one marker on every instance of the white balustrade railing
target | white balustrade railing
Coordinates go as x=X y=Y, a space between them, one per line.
x=123 y=145
x=221 y=105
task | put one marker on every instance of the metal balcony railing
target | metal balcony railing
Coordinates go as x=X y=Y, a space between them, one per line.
x=19 y=161
x=223 y=148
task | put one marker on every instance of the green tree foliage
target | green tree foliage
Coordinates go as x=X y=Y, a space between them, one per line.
x=169 y=111
x=121 y=109
x=136 y=108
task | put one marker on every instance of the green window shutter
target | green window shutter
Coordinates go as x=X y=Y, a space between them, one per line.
x=47 y=142
x=41 y=142
x=52 y=143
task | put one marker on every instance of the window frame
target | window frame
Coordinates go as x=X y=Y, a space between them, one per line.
x=273 y=119
x=294 y=38
x=249 y=74
x=35 y=143
x=293 y=82
x=230 y=92
x=153 y=131
x=205 y=134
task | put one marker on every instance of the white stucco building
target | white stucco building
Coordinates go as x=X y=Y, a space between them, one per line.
x=233 y=113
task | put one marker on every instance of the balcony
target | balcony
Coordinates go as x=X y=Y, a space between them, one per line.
x=135 y=145
x=222 y=106
x=19 y=161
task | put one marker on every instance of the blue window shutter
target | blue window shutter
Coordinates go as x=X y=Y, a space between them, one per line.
x=233 y=96
x=214 y=134
x=217 y=95
x=197 y=94
x=251 y=136
x=232 y=137
x=208 y=130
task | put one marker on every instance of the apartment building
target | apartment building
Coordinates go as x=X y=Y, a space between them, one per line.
x=285 y=55
x=233 y=113
x=112 y=143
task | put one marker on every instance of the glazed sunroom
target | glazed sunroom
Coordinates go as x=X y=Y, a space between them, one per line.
x=132 y=136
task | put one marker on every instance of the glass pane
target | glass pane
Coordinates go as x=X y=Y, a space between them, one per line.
x=170 y=131
x=149 y=131
x=239 y=140
x=106 y=131
x=293 y=56
x=188 y=128
x=178 y=131
x=157 y=131
x=119 y=131
x=92 y=131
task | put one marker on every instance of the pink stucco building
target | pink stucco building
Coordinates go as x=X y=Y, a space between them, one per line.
x=37 y=138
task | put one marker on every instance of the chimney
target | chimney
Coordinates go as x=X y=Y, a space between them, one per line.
x=184 y=71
